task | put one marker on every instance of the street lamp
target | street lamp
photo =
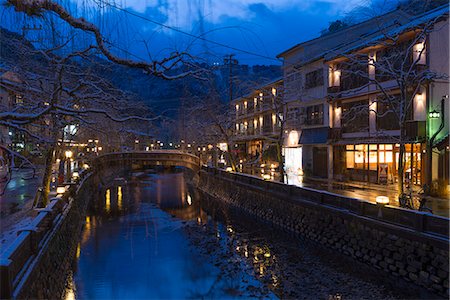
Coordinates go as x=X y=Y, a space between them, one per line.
x=68 y=155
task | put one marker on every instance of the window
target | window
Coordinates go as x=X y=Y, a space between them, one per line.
x=386 y=113
x=392 y=60
x=355 y=116
x=353 y=75
x=314 y=79
x=19 y=99
x=314 y=115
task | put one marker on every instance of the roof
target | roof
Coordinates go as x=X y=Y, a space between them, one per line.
x=417 y=21
x=260 y=87
x=351 y=31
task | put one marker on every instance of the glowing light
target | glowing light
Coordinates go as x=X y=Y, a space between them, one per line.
x=88 y=222
x=382 y=200
x=75 y=175
x=189 y=199
x=68 y=154
x=229 y=169
x=78 y=251
x=108 y=200
x=266 y=176
x=293 y=138
x=60 y=190
x=85 y=166
x=119 y=197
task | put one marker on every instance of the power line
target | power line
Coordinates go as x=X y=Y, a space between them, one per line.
x=189 y=34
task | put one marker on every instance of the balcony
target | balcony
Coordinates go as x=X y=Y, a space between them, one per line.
x=415 y=130
x=333 y=89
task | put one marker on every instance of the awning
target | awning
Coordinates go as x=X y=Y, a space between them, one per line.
x=314 y=136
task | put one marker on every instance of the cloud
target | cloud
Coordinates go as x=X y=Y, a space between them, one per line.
x=185 y=13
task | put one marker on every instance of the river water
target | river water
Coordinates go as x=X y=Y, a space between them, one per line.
x=149 y=236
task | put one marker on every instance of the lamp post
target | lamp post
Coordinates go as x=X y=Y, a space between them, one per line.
x=68 y=155
x=434 y=114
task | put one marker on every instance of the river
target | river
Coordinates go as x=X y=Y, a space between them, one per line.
x=150 y=236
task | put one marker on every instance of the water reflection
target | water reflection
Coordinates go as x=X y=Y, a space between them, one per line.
x=134 y=245
x=149 y=236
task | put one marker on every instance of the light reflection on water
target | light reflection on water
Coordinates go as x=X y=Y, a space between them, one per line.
x=148 y=237
x=133 y=245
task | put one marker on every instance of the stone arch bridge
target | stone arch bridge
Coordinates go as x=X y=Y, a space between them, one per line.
x=136 y=160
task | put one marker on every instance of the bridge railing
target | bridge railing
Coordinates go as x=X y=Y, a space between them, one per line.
x=160 y=157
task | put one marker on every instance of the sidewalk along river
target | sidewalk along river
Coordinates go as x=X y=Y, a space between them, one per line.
x=152 y=237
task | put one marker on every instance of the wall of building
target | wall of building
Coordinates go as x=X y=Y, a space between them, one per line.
x=399 y=242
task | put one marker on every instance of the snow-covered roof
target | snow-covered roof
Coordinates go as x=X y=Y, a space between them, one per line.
x=317 y=46
x=260 y=87
x=417 y=21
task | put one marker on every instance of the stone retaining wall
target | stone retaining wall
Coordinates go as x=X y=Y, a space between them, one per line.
x=35 y=265
x=406 y=244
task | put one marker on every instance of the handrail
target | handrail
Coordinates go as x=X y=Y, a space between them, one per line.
x=15 y=260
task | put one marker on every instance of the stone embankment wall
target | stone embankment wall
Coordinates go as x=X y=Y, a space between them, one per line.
x=35 y=265
x=406 y=244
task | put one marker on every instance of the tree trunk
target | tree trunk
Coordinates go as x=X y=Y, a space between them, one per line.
x=401 y=169
x=280 y=161
x=47 y=174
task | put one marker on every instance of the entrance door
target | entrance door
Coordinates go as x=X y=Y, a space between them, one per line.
x=320 y=162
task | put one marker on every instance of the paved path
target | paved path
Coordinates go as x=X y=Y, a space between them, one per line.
x=370 y=192
x=16 y=204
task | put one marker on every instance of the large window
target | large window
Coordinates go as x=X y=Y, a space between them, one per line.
x=314 y=115
x=354 y=75
x=314 y=79
x=355 y=116
x=392 y=60
x=387 y=109
x=363 y=156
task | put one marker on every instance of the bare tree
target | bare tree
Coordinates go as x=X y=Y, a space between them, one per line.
x=395 y=68
x=163 y=68
x=58 y=92
x=208 y=121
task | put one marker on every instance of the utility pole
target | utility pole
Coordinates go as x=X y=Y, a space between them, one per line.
x=229 y=60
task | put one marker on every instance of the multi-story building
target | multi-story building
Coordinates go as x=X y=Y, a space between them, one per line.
x=381 y=95
x=10 y=98
x=306 y=80
x=258 y=120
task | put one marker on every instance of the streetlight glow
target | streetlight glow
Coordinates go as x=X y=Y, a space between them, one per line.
x=69 y=154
